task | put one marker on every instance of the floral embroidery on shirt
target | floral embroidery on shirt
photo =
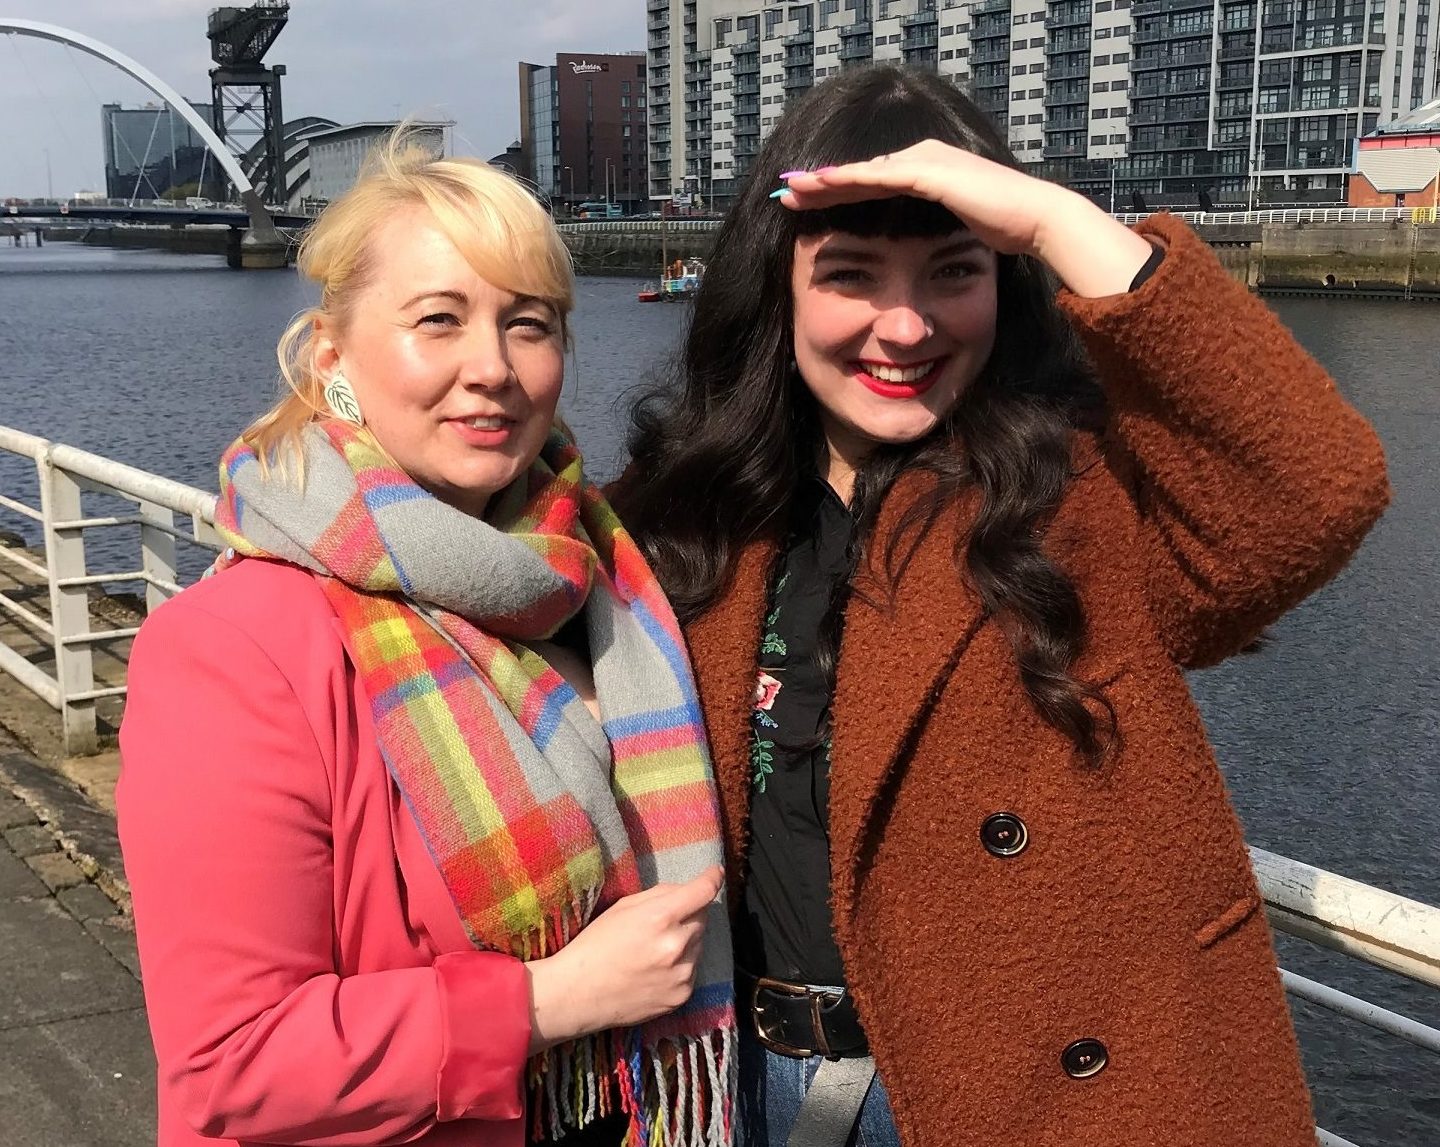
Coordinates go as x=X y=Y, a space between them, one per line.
x=767 y=688
x=772 y=642
x=762 y=760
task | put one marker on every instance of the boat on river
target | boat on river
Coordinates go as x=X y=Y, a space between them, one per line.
x=679 y=282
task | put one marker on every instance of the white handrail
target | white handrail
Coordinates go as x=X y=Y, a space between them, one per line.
x=64 y=474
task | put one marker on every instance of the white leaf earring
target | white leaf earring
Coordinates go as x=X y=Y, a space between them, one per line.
x=340 y=398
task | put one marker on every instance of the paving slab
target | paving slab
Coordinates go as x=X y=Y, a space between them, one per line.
x=83 y=1082
x=87 y=833
x=52 y=969
x=17 y=879
x=57 y=870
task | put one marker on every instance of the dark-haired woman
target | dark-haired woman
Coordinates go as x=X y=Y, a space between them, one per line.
x=974 y=826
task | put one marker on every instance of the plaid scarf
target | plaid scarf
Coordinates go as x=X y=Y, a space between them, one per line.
x=537 y=817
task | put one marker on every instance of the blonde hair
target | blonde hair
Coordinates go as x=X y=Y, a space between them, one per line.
x=493 y=220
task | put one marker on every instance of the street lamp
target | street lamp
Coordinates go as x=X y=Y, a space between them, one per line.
x=609 y=163
x=570 y=203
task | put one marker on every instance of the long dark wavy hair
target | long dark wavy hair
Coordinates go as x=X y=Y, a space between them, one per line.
x=720 y=449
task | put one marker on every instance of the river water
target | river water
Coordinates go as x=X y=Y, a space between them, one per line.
x=1329 y=735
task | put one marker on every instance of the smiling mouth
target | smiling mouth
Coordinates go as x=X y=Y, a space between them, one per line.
x=894 y=380
x=488 y=422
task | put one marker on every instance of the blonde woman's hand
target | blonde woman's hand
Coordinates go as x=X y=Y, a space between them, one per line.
x=1009 y=211
x=635 y=961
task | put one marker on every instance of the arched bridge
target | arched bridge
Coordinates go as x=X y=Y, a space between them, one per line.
x=262 y=238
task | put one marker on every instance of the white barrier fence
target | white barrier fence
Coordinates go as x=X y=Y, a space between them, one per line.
x=1413 y=215
x=63 y=475
x=1358 y=920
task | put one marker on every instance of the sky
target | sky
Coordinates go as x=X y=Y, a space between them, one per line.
x=346 y=59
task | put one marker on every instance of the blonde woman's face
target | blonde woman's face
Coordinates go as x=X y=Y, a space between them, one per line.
x=457 y=379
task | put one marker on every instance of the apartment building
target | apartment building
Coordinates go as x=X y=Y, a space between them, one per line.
x=1155 y=100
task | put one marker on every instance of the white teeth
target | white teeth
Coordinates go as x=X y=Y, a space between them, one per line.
x=494 y=422
x=899 y=374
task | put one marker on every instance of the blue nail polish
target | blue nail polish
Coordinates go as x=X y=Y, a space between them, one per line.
x=778 y=192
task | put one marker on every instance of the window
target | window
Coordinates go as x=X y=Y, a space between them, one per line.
x=1036 y=93
x=1101 y=61
x=1100 y=86
x=1096 y=139
x=1098 y=113
x=1117 y=139
x=1036 y=68
x=1120 y=58
x=1017 y=69
x=1102 y=33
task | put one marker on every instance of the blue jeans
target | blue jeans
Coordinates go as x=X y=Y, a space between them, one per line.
x=772 y=1086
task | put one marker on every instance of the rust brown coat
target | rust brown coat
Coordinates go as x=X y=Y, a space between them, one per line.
x=1232 y=481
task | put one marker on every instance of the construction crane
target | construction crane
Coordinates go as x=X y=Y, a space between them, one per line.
x=245 y=93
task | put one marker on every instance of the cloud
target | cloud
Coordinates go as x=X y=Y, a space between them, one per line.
x=348 y=59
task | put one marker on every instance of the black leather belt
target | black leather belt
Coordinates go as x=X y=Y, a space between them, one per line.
x=801 y=1020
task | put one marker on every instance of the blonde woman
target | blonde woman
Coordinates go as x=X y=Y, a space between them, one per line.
x=416 y=804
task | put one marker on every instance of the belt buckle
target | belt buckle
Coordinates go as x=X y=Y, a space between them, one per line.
x=794 y=991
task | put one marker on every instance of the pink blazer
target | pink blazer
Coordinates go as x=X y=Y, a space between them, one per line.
x=307 y=976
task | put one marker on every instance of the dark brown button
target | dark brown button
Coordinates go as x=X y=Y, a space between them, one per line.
x=1004 y=834
x=1084 y=1058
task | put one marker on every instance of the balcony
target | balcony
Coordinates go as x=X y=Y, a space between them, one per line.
x=923 y=38
x=1238 y=111
x=1238 y=52
x=697 y=137
x=1179 y=60
x=799 y=80
x=1063 y=99
x=652 y=6
x=860 y=28
x=1166 y=115
x=855 y=50
x=697 y=57
x=1065 y=123
x=990 y=6
x=657 y=22
x=1066 y=47
x=990 y=55
x=1151 y=35
x=1077 y=71
x=1063 y=150
x=1070 y=19
x=799 y=38
x=919 y=19
x=1155 y=7
x=748 y=87
x=1159 y=86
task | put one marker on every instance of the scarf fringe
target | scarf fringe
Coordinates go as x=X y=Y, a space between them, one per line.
x=689 y=1104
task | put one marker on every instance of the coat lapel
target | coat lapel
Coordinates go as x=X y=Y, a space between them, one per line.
x=724 y=646
x=895 y=656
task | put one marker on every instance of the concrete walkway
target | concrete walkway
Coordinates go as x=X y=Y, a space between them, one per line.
x=76 y=1067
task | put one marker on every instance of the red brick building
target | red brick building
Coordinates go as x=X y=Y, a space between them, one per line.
x=1398 y=164
x=582 y=129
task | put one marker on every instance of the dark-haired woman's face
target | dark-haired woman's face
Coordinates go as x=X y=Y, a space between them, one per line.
x=890 y=332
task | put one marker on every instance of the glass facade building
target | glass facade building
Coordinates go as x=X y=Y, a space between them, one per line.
x=150 y=151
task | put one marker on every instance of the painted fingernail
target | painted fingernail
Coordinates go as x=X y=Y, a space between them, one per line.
x=779 y=191
x=823 y=170
x=793 y=174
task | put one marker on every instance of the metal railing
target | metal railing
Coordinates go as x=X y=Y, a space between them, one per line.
x=643 y=225
x=1355 y=919
x=1415 y=215
x=63 y=475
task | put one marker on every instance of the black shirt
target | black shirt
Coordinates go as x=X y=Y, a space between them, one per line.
x=785 y=928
